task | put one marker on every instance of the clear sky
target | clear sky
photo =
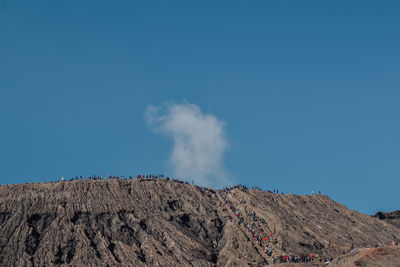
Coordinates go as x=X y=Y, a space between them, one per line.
x=308 y=90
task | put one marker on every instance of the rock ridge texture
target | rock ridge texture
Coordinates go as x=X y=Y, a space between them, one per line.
x=158 y=222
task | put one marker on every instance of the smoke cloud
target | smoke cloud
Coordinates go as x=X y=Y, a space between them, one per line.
x=198 y=139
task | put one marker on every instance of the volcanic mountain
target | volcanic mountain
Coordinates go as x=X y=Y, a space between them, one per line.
x=160 y=222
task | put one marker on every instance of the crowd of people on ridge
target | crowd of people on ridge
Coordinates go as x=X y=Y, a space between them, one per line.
x=150 y=176
x=95 y=177
x=262 y=240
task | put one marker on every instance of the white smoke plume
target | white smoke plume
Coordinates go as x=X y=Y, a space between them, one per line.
x=199 y=142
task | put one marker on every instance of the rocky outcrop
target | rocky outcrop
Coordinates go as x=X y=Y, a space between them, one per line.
x=390 y=217
x=167 y=223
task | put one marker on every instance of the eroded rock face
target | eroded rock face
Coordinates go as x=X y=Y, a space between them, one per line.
x=166 y=223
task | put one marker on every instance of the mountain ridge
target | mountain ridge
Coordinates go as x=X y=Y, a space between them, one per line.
x=160 y=222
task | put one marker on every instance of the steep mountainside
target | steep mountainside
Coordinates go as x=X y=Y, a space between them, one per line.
x=166 y=223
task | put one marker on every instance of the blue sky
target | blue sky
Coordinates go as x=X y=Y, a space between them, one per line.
x=308 y=90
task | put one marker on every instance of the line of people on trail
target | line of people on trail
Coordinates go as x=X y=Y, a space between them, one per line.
x=95 y=177
x=149 y=176
x=158 y=176
x=228 y=188
x=264 y=240
x=245 y=187
x=241 y=186
x=139 y=176
x=294 y=258
x=261 y=240
x=275 y=191
x=108 y=177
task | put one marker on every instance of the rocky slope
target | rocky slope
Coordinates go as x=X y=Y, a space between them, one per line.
x=390 y=217
x=168 y=223
x=381 y=256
